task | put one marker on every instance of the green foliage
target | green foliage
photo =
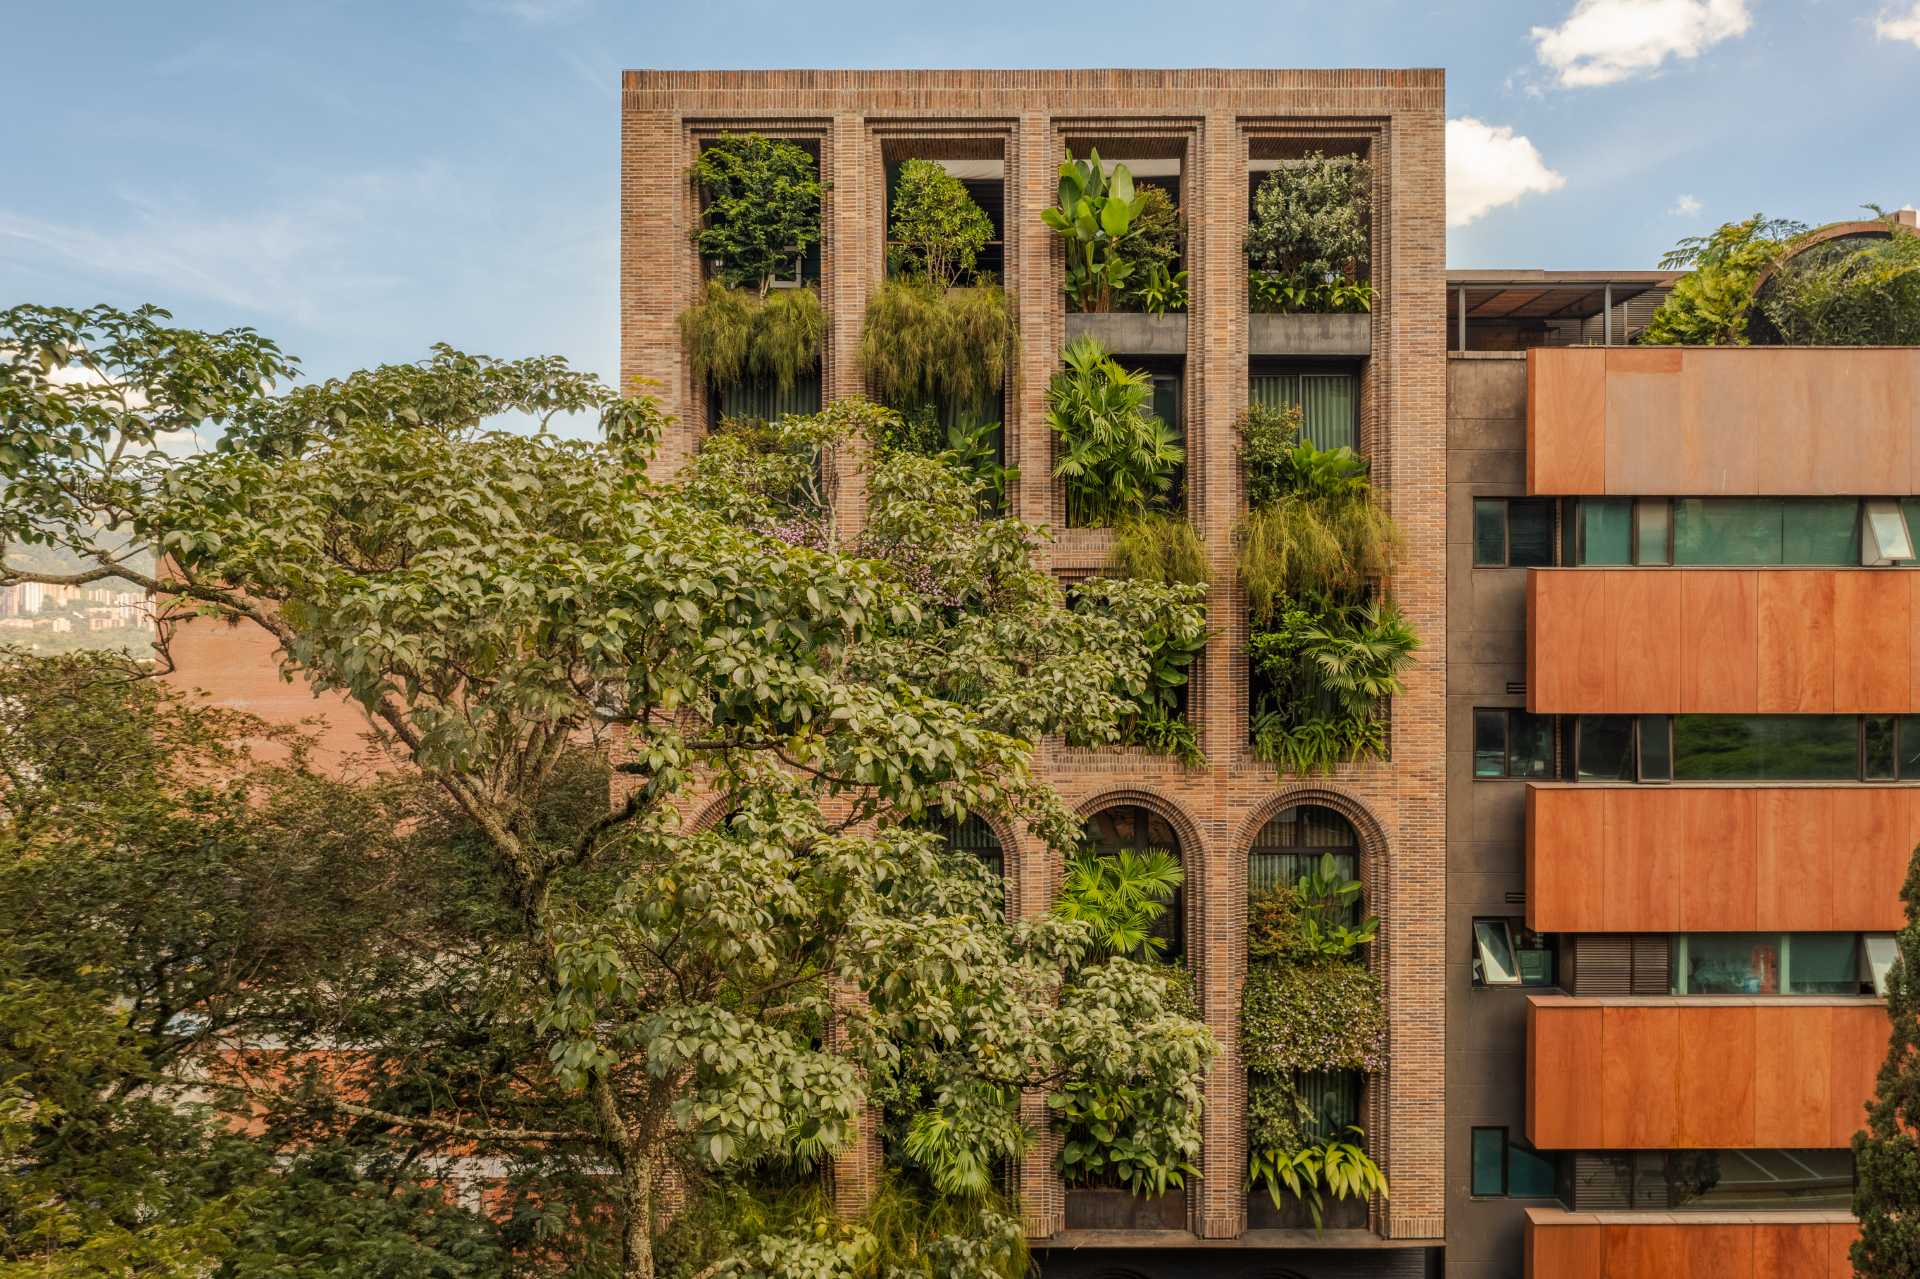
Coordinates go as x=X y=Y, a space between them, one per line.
x=1170 y=619
x=1121 y=897
x=633 y=998
x=1309 y=921
x=1117 y=458
x=1327 y=670
x=1326 y=1015
x=1159 y=292
x=733 y=336
x=938 y=231
x=1097 y=214
x=1886 y=1155
x=1339 y=1166
x=1152 y=254
x=1272 y=293
x=1160 y=547
x=760 y=207
x=924 y=344
x=1848 y=293
x=1709 y=305
x=1311 y=218
x=1267 y=438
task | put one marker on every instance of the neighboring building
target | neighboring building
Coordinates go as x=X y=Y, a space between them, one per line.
x=1681 y=665
x=1207 y=135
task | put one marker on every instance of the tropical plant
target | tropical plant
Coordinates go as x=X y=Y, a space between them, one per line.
x=1326 y=671
x=1311 y=218
x=938 y=231
x=1886 y=1155
x=925 y=344
x=1118 y=459
x=732 y=336
x=1272 y=292
x=1710 y=305
x=1330 y=1166
x=1121 y=896
x=1848 y=292
x=494 y=598
x=760 y=207
x=1175 y=637
x=1096 y=215
x=1155 y=284
x=1159 y=292
x=1314 y=528
x=1160 y=547
x=1267 y=434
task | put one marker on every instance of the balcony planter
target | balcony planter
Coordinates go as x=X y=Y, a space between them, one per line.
x=1131 y=333
x=1308 y=334
x=1292 y=1214
x=1111 y=1208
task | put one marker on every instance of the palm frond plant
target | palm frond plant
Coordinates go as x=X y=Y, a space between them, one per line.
x=1117 y=458
x=1123 y=896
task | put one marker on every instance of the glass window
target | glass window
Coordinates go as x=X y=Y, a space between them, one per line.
x=1489 y=532
x=1878 y=755
x=1603 y=530
x=1910 y=511
x=1533 y=953
x=1823 y=964
x=1493 y=954
x=1656 y=749
x=1605 y=748
x=1530 y=532
x=1883 y=532
x=1490 y=1162
x=1761 y=530
x=1512 y=744
x=1877 y=953
x=1651 y=526
x=1737 y=1180
x=1530 y=1174
x=1766 y=747
x=1910 y=747
x=1729 y=964
x=1820 y=530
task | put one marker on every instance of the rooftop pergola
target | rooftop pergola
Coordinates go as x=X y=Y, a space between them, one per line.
x=1543 y=295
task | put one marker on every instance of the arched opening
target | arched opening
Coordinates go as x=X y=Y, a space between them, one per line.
x=974 y=835
x=1294 y=841
x=1138 y=828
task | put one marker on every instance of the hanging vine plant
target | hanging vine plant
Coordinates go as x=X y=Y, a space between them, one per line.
x=734 y=337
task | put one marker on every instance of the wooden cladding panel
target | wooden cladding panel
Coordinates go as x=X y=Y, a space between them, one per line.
x=1759 y=421
x=1562 y=1245
x=1662 y=859
x=1681 y=1075
x=1722 y=641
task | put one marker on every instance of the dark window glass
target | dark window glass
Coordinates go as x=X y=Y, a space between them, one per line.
x=1650 y=528
x=1490 y=1162
x=1606 y=748
x=1333 y=1097
x=974 y=836
x=1877 y=750
x=1292 y=844
x=1530 y=532
x=1490 y=532
x=1745 y=1180
x=1730 y=964
x=1910 y=508
x=1489 y=743
x=1910 y=747
x=1604 y=530
x=1820 y=530
x=1530 y=1174
x=1823 y=964
x=1766 y=747
x=1656 y=755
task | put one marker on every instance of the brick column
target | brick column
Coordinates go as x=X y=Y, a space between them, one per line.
x=655 y=194
x=1036 y=267
x=851 y=264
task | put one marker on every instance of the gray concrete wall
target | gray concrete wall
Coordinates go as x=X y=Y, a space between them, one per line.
x=1486 y=648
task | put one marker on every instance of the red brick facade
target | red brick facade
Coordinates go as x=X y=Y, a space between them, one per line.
x=1213 y=122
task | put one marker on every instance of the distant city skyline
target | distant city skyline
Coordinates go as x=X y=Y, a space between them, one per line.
x=359 y=181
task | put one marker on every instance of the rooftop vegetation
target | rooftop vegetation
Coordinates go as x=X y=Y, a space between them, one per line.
x=1309 y=240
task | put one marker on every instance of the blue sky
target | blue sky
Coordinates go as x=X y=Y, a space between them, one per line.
x=361 y=179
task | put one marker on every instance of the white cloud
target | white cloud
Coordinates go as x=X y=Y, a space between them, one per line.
x=1490 y=165
x=1685 y=206
x=1606 y=41
x=1898 y=26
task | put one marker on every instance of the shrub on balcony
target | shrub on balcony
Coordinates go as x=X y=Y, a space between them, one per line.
x=937 y=231
x=1098 y=213
x=1308 y=244
x=1160 y=546
x=734 y=336
x=1118 y=459
x=1154 y=282
x=1172 y=619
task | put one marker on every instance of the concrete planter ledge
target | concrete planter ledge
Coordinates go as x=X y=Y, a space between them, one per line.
x=1310 y=334
x=1131 y=333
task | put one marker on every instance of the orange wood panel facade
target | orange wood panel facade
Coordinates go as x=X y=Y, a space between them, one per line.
x=1754 y=420
x=1722 y=641
x=1662 y=859
x=1700 y=1073
x=1676 y=1245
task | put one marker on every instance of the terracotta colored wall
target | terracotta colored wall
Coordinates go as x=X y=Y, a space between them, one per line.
x=1564 y=1245
x=1700 y=1073
x=1722 y=641
x=1696 y=421
x=1662 y=859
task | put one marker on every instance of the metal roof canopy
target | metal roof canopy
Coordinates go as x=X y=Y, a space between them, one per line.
x=1547 y=295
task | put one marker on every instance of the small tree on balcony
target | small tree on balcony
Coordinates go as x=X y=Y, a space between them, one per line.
x=1886 y=1156
x=761 y=210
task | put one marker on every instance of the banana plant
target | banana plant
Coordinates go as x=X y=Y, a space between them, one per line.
x=1097 y=212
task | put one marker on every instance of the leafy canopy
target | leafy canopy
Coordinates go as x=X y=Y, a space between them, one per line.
x=760 y=207
x=938 y=231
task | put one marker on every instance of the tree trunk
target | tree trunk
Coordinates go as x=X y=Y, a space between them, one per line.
x=636 y=1233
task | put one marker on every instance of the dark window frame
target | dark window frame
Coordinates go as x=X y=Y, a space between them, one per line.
x=1507 y=1147
x=1507 y=714
x=1905 y=738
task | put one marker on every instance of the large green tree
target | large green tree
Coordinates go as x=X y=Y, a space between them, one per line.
x=721 y=1000
x=1886 y=1196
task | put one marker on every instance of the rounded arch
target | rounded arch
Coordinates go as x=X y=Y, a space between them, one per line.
x=1372 y=838
x=715 y=812
x=991 y=837
x=1188 y=847
x=1760 y=328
